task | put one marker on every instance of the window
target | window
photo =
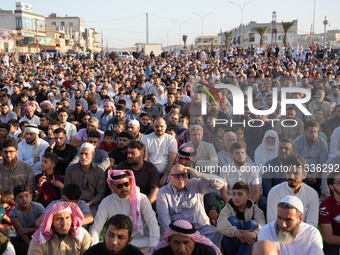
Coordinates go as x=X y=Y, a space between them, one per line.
x=70 y=24
x=251 y=37
x=280 y=37
x=18 y=22
x=54 y=23
x=62 y=23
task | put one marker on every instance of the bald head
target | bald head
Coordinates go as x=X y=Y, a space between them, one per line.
x=265 y=247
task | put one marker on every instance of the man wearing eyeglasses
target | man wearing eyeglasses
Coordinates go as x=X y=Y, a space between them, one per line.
x=182 y=199
x=127 y=199
x=14 y=172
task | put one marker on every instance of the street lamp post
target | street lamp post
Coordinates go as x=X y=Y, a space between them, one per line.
x=179 y=30
x=202 y=19
x=167 y=35
x=241 y=8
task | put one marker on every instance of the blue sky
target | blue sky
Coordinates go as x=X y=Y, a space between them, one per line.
x=123 y=23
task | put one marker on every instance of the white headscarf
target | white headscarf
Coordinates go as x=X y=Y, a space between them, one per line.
x=263 y=153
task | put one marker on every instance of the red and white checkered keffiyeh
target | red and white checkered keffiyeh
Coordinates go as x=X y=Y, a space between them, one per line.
x=185 y=225
x=45 y=231
x=134 y=195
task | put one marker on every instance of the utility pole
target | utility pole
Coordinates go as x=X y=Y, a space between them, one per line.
x=102 y=41
x=312 y=38
x=147 y=28
x=36 y=35
x=242 y=27
x=325 y=23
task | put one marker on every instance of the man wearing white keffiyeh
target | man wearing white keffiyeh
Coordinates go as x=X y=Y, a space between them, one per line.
x=33 y=148
x=127 y=199
x=61 y=232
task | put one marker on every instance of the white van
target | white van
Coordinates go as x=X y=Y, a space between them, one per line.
x=124 y=55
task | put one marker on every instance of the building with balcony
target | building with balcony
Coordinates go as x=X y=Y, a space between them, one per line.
x=91 y=41
x=73 y=28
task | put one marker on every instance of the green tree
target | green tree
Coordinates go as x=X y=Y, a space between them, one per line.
x=185 y=38
x=286 y=26
x=228 y=35
x=262 y=31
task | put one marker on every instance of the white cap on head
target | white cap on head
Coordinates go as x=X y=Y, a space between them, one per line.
x=294 y=201
x=87 y=145
x=134 y=122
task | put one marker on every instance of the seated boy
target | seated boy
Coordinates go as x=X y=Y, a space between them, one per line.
x=48 y=183
x=14 y=131
x=108 y=144
x=72 y=193
x=23 y=217
x=240 y=221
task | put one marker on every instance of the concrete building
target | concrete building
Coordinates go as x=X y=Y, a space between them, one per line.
x=30 y=28
x=251 y=37
x=91 y=41
x=208 y=41
x=7 y=31
x=73 y=28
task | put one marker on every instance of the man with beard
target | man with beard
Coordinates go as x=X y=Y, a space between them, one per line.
x=14 y=172
x=29 y=116
x=314 y=149
x=61 y=232
x=160 y=149
x=6 y=114
x=290 y=130
x=70 y=128
x=330 y=216
x=206 y=153
x=77 y=115
x=47 y=108
x=240 y=170
x=333 y=122
x=270 y=178
x=117 y=238
x=149 y=107
x=65 y=152
x=32 y=148
x=94 y=110
x=101 y=158
x=42 y=95
x=109 y=110
x=77 y=97
x=182 y=199
x=88 y=176
x=147 y=178
x=120 y=116
x=119 y=154
x=128 y=200
x=133 y=128
x=82 y=135
x=289 y=232
x=135 y=111
x=295 y=173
